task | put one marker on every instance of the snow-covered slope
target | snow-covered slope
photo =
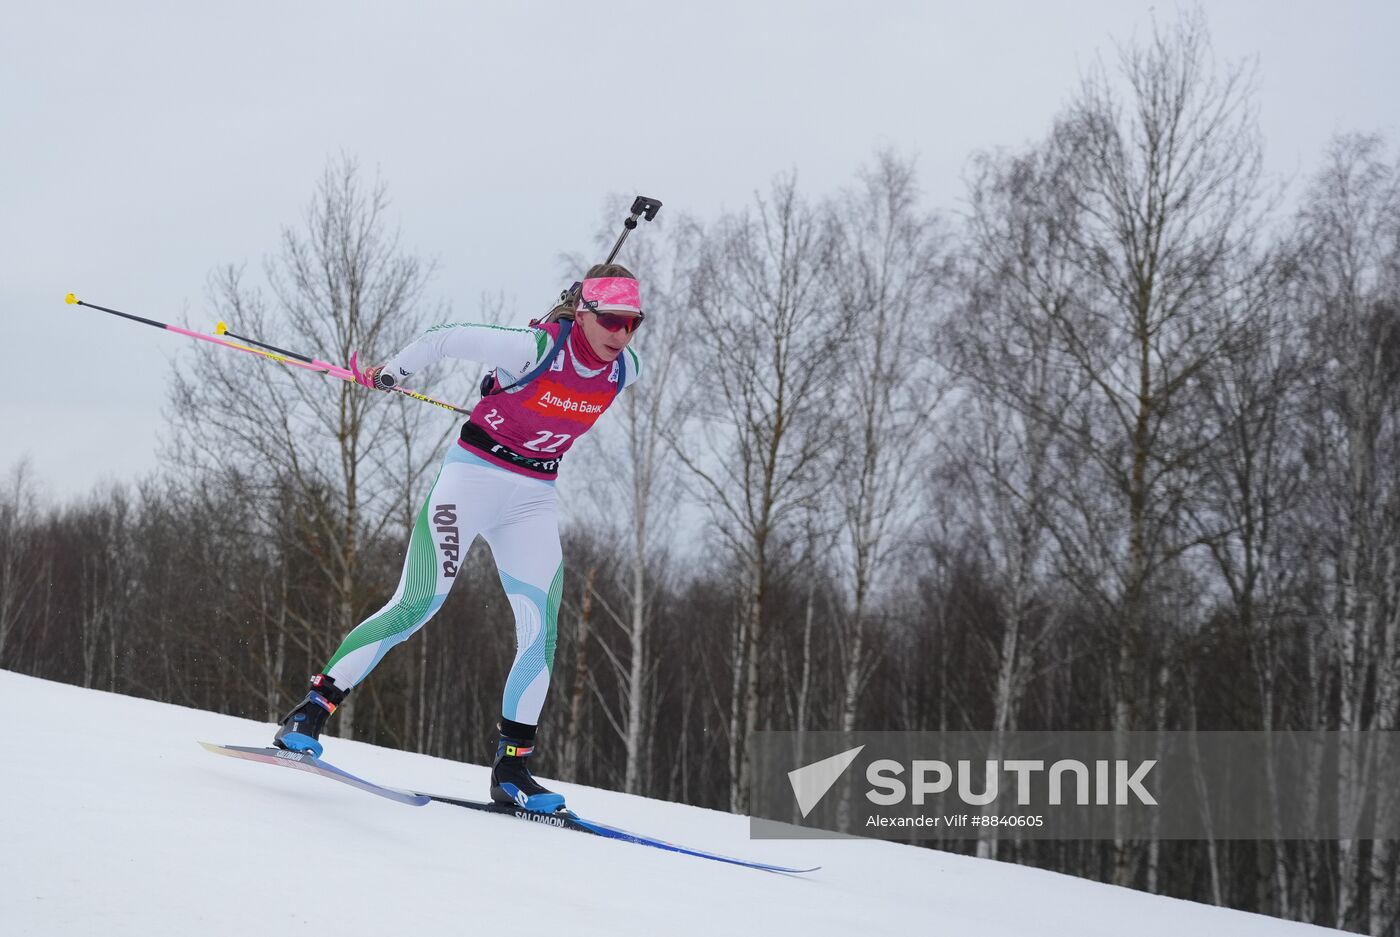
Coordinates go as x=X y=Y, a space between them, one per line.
x=116 y=822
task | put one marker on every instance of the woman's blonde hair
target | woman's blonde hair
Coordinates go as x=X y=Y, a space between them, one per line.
x=565 y=309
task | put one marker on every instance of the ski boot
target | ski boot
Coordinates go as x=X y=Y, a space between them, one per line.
x=511 y=781
x=301 y=729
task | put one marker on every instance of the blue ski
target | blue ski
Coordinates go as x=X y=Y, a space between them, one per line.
x=564 y=819
x=568 y=820
x=305 y=761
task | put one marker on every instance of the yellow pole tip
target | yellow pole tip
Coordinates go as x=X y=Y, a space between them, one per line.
x=70 y=299
x=221 y=328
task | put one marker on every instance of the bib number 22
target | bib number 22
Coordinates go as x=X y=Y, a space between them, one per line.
x=546 y=441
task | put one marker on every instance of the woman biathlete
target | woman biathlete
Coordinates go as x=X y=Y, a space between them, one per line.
x=551 y=383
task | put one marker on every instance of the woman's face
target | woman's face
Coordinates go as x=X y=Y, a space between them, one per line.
x=607 y=343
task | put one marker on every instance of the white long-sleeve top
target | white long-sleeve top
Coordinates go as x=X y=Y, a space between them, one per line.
x=513 y=351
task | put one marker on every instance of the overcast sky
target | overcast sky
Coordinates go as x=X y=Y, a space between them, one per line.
x=144 y=144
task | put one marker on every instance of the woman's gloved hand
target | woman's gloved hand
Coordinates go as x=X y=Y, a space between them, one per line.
x=374 y=377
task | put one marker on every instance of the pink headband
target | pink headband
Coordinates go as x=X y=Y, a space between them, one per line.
x=611 y=294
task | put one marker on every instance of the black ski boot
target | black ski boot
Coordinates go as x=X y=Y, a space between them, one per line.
x=301 y=729
x=511 y=781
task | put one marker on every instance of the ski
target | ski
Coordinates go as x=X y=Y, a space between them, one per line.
x=564 y=819
x=568 y=820
x=305 y=761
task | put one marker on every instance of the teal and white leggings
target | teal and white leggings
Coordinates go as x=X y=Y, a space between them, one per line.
x=516 y=516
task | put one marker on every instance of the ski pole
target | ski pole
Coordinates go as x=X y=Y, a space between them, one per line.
x=297 y=361
x=342 y=373
x=222 y=329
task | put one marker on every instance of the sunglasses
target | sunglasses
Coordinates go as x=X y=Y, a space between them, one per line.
x=614 y=322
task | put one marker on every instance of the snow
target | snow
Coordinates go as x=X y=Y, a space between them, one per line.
x=117 y=822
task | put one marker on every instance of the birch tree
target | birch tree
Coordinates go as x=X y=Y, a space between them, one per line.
x=765 y=358
x=888 y=261
x=1156 y=198
x=1165 y=187
x=637 y=505
x=340 y=284
x=1002 y=450
x=19 y=567
x=1244 y=509
x=1350 y=223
